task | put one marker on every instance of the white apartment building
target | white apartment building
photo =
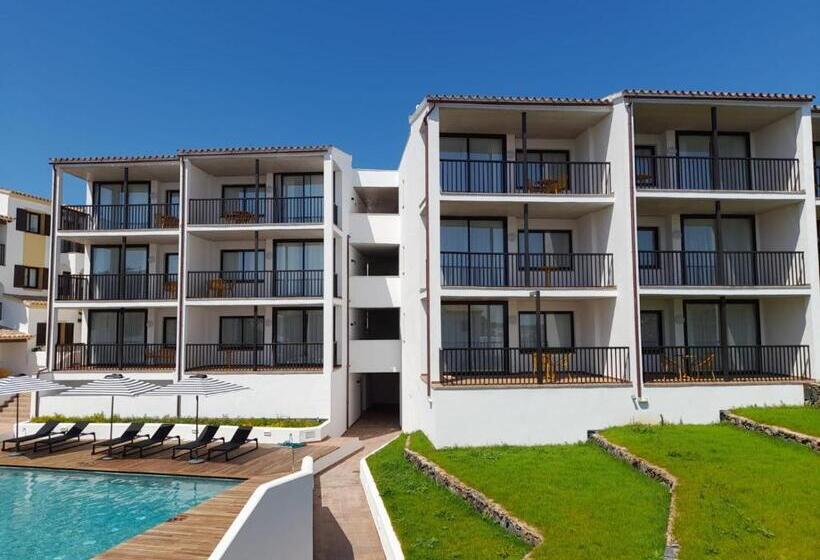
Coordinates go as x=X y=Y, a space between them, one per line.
x=535 y=268
x=25 y=226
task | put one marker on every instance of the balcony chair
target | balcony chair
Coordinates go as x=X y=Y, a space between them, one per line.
x=170 y=288
x=218 y=286
x=552 y=364
x=166 y=221
x=239 y=217
x=703 y=364
x=549 y=185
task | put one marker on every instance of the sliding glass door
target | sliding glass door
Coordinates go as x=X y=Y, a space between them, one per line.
x=733 y=165
x=122 y=206
x=116 y=337
x=473 y=252
x=480 y=330
x=704 y=335
x=472 y=164
x=106 y=281
x=700 y=260
x=300 y=198
x=298 y=336
x=298 y=267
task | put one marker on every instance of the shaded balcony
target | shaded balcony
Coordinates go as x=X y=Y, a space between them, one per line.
x=521 y=270
x=519 y=178
x=93 y=357
x=250 y=284
x=258 y=357
x=116 y=287
x=718 y=364
x=107 y=217
x=726 y=268
x=557 y=366
x=244 y=211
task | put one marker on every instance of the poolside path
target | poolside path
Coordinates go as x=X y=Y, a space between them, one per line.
x=342 y=525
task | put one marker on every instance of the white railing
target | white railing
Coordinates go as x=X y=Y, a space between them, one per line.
x=277 y=521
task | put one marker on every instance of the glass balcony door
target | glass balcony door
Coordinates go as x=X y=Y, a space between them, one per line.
x=733 y=166
x=239 y=203
x=105 y=346
x=301 y=197
x=480 y=327
x=473 y=163
x=476 y=253
x=298 y=268
x=122 y=206
x=298 y=336
x=704 y=332
x=700 y=260
x=105 y=281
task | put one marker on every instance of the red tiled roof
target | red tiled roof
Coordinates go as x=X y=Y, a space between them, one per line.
x=715 y=95
x=514 y=100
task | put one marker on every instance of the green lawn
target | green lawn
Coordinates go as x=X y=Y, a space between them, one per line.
x=804 y=419
x=586 y=504
x=102 y=418
x=741 y=495
x=432 y=523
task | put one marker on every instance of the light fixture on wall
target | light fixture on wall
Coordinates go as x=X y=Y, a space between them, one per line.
x=79 y=316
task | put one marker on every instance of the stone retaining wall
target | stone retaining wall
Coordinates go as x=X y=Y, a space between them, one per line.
x=653 y=471
x=774 y=431
x=478 y=501
x=811 y=394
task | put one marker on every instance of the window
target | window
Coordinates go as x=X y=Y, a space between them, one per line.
x=473 y=252
x=645 y=174
x=548 y=168
x=548 y=249
x=651 y=329
x=473 y=325
x=32 y=222
x=171 y=265
x=298 y=336
x=40 y=339
x=472 y=163
x=30 y=277
x=238 y=332
x=648 y=247
x=557 y=329
x=169 y=331
x=298 y=266
x=172 y=200
x=239 y=266
x=70 y=246
x=65 y=333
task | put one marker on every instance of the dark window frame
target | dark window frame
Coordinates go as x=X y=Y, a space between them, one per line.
x=242 y=345
x=279 y=182
x=470 y=304
x=165 y=264
x=661 y=335
x=166 y=331
x=545 y=346
x=241 y=276
x=521 y=232
x=120 y=312
x=468 y=136
x=122 y=256
x=717 y=302
x=653 y=172
x=304 y=311
x=95 y=191
x=654 y=261
x=749 y=217
x=303 y=242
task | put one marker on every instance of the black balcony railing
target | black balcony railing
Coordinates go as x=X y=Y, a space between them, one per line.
x=515 y=177
x=95 y=287
x=561 y=366
x=2 y=254
x=262 y=357
x=114 y=356
x=681 y=364
x=250 y=284
x=119 y=216
x=726 y=174
x=216 y=211
x=729 y=268
x=546 y=270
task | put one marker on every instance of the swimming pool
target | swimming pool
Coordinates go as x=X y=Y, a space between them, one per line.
x=73 y=515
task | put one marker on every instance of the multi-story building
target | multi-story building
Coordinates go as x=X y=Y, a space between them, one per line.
x=535 y=268
x=25 y=225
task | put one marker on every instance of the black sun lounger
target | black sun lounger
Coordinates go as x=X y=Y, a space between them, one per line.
x=240 y=438
x=44 y=431
x=153 y=444
x=131 y=433
x=74 y=434
x=206 y=437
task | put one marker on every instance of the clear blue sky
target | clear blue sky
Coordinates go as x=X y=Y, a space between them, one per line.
x=93 y=78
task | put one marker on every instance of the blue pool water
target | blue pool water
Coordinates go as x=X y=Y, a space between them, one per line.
x=72 y=515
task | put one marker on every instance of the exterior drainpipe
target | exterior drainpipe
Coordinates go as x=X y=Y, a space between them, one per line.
x=636 y=304
x=347 y=342
x=181 y=284
x=427 y=238
x=51 y=349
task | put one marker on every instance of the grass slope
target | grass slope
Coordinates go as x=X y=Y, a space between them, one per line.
x=740 y=494
x=432 y=523
x=804 y=419
x=586 y=504
x=260 y=422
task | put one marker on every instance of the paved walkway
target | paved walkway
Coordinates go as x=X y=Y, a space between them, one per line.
x=342 y=525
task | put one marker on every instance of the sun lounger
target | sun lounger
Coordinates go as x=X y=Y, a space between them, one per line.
x=44 y=431
x=74 y=434
x=154 y=444
x=240 y=438
x=131 y=433
x=206 y=437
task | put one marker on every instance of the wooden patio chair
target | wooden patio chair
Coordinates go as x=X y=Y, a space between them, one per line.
x=706 y=363
x=166 y=221
x=674 y=365
x=552 y=364
x=217 y=287
x=170 y=287
x=239 y=217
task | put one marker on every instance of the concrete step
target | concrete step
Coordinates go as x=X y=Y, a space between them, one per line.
x=8 y=410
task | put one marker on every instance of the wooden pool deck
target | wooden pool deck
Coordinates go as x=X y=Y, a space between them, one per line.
x=195 y=533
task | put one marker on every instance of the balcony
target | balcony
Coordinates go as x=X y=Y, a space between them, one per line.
x=102 y=217
x=116 y=287
x=817 y=181
x=518 y=178
x=715 y=364
x=511 y=270
x=93 y=357
x=249 y=284
x=261 y=357
x=559 y=366
x=728 y=268
x=717 y=174
x=244 y=211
